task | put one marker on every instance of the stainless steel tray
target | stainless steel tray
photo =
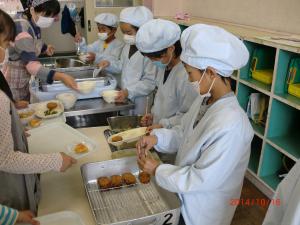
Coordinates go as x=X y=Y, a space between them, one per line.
x=122 y=123
x=59 y=86
x=140 y=204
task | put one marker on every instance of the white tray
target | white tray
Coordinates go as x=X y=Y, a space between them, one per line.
x=60 y=218
x=57 y=137
x=128 y=136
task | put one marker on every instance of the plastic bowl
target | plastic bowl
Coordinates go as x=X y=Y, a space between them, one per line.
x=86 y=87
x=110 y=95
x=67 y=99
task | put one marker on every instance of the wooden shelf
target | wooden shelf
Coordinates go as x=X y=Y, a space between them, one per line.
x=258 y=129
x=289 y=100
x=289 y=143
x=257 y=85
x=271 y=180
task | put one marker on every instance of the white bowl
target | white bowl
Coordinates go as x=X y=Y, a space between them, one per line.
x=67 y=99
x=86 y=87
x=110 y=95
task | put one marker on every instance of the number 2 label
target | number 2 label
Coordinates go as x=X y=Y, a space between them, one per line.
x=168 y=218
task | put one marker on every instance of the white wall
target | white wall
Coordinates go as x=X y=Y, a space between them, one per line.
x=167 y=7
x=279 y=15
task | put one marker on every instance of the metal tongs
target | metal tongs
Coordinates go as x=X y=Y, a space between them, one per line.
x=97 y=72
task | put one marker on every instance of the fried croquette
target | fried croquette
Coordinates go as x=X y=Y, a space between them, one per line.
x=116 y=138
x=128 y=178
x=104 y=182
x=51 y=105
x=144 y=177
x=116 y=181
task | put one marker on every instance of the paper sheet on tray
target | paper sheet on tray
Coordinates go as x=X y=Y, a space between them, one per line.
x=58 y=137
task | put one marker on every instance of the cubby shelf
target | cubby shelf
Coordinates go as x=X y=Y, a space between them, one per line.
x=258 y=129
x=259 y=86
x=271 y=164
x=280 y=149
x=290 y=144
x=289 y=100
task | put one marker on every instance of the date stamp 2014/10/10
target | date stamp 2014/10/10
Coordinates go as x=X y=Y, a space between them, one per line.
x=264 y=202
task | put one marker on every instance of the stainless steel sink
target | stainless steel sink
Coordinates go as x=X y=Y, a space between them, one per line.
x=70 y=65
x=67 y=63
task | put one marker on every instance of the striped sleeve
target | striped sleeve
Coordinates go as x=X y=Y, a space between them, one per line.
x=25 y=47
x=8 y=216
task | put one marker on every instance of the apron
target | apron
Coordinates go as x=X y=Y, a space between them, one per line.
x=19 y=191
x=16 y=72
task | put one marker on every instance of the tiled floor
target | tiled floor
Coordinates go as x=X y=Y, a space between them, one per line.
x=250 y=214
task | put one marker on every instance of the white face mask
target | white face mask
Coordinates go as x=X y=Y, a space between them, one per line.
x=161 y=65
x=102 y=36
x=44 y=22
x=129 y=39
x=197 y=87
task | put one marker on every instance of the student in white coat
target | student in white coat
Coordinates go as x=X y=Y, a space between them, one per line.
x=138 y=73
x=214 y=138
x=108 y=45
x=285 y=206
x=159 y=40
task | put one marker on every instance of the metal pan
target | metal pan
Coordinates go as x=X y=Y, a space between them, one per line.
x=140 y=204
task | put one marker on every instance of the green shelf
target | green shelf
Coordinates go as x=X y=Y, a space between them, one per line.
x=256 y=146
x=290 y=144
x=272 y=181
x=281 y=75
x=257 y=85
x=271 y=164
x=259 y=129
x=289 y=99
x=284 y=128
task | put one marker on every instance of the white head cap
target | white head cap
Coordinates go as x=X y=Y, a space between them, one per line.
x=36 y=3
x=157 y=35
x=136 y=16
x=107 y=19
x=205 y=45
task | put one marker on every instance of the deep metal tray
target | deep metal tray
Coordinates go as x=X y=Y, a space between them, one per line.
x=122 y=123
x=140 y=204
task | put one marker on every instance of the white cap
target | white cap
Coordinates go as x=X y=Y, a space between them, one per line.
x=205 y=45
x=136 y=16
x=157 y=35
x=107 y=19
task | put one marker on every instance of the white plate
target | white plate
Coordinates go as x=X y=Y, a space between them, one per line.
x=128 y=136
x=55 y=137
x=71 y=152
x=25 y=121
x=60 y=218
x=40 y=109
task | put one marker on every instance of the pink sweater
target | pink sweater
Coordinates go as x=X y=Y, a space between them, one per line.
x=17 y=162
